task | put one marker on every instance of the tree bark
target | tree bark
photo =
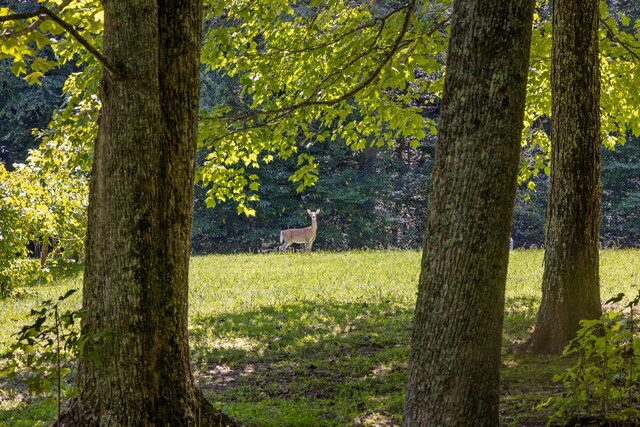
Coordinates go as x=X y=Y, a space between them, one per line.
x=456 y=342
x=44 y=251
x=134 y=369
x=571 y=283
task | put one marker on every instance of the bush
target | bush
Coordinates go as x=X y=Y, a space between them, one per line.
x=603 y=386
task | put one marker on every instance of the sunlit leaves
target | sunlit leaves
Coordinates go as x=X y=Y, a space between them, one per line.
x=45 y=197
x=35 y=44
x=619 y=95
x=316 y=72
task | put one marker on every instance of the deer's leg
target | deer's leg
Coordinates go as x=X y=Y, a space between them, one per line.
x=285 y=245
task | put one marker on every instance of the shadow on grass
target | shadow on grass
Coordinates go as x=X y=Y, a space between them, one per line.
x=314 y=363
x=19 y=408
x=307 y=363
x=323 y=364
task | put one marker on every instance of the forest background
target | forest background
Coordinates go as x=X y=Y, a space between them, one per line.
x=371 y=196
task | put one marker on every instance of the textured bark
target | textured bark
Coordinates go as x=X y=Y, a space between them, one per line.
x=455 y=354
x=136 y=284
x=570 y=284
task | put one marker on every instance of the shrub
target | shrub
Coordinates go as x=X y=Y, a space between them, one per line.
x=603 y=386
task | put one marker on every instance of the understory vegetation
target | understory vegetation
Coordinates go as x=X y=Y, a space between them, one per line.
x=321 y=338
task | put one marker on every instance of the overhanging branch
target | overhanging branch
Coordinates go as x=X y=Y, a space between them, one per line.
x=626 y=46
x=254 y=119
x=311 y=101
x=43 y=13
x=35 y=24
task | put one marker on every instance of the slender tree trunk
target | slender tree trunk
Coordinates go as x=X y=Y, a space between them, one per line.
x=44 y=251
x=137 y=373
x=570 y=284
x=456 y=343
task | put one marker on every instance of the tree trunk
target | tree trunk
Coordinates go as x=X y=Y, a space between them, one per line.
x=137 y=373
x=570 y=284
x=456 y=343
x=44 y=251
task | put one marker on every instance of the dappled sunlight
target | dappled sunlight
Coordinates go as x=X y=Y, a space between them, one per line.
x=376 y=419
x=387 y=368
x=327 y=339
x=328 y=352
x=237 y=343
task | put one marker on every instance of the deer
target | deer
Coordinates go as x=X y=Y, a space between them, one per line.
x=300 y=235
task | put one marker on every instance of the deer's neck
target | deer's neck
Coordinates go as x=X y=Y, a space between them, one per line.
x=314 y=224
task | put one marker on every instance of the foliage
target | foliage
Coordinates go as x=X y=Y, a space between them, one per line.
x=42 y=347
x=26 y=42
x=604 y=383
x=346 y=72
x=43 y=199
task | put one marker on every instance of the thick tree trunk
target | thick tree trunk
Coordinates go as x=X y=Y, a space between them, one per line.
x=570 y=284
x=137 y=373
x=456 y=343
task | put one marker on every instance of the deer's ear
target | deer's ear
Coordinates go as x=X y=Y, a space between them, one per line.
x=318 y=211
x=308 y=211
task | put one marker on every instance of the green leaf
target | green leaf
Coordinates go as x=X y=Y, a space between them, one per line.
x=41 y=40
x=34 y=78
x=18 y=67
x=624 y=20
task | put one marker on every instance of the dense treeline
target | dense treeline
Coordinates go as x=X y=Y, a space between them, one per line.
x=25 y=108
x=375 y=199
x=369 y=199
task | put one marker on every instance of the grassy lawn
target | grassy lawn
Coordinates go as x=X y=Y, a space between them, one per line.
x=321 y=339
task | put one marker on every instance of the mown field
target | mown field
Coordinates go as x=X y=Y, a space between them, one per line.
x=320 y=339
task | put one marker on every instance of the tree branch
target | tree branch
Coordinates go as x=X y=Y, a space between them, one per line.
x=623 y=44
x=381 y=20
x=19 y=16
x=279 y=114
x=310 y=101
x=92 y=50
x=44 y=13
x=35 y=24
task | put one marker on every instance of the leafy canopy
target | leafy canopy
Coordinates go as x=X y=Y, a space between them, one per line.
x=310 y=72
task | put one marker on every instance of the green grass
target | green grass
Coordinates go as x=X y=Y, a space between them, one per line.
x=322 y=339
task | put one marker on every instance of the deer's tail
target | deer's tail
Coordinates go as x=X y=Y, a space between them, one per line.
x=281 y=237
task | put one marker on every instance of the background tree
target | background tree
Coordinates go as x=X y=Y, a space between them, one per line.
x=570 y=286
x=455 y=347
